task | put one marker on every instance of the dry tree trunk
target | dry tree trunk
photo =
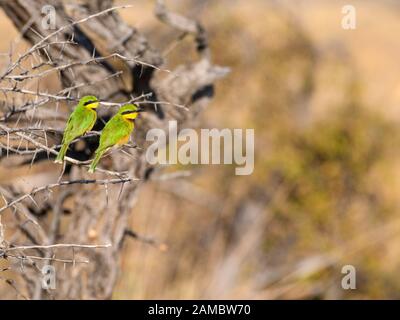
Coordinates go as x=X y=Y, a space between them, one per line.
x=100 y=211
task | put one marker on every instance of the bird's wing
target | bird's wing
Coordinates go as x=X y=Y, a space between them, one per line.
x=80 y=121
x=115 y=130
x=70 y=127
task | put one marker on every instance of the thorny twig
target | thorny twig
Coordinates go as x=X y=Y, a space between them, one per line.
x=64 y=183
x=23 y=95
x=52 y=151
x=38 y=45
x=59 y=245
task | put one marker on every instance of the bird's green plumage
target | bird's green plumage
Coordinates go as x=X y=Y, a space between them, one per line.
x=81 y=120
x=116 y=131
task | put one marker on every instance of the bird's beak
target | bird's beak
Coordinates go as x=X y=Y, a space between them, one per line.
x=140 y=110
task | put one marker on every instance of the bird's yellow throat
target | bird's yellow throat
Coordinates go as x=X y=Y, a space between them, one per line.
x=130 y=116
x=92 y=105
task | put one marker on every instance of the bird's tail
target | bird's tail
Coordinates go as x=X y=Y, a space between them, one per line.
x=61 y=153
x=95 y=161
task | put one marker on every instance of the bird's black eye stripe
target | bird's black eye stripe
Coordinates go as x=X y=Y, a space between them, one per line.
x=89 y=102
x=127 y=112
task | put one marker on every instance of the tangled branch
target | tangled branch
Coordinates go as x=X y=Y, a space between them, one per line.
x=83 y=56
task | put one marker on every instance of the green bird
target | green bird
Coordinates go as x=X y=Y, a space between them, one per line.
x=81 y=120
x=116 y=132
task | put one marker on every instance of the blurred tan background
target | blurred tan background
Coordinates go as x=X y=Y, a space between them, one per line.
x=324 y=193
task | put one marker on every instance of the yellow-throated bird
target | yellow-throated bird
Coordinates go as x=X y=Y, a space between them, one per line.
x=81 y=120
x=116 y=132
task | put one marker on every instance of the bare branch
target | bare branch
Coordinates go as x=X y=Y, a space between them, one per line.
x=64 y=183
x=59 y=245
